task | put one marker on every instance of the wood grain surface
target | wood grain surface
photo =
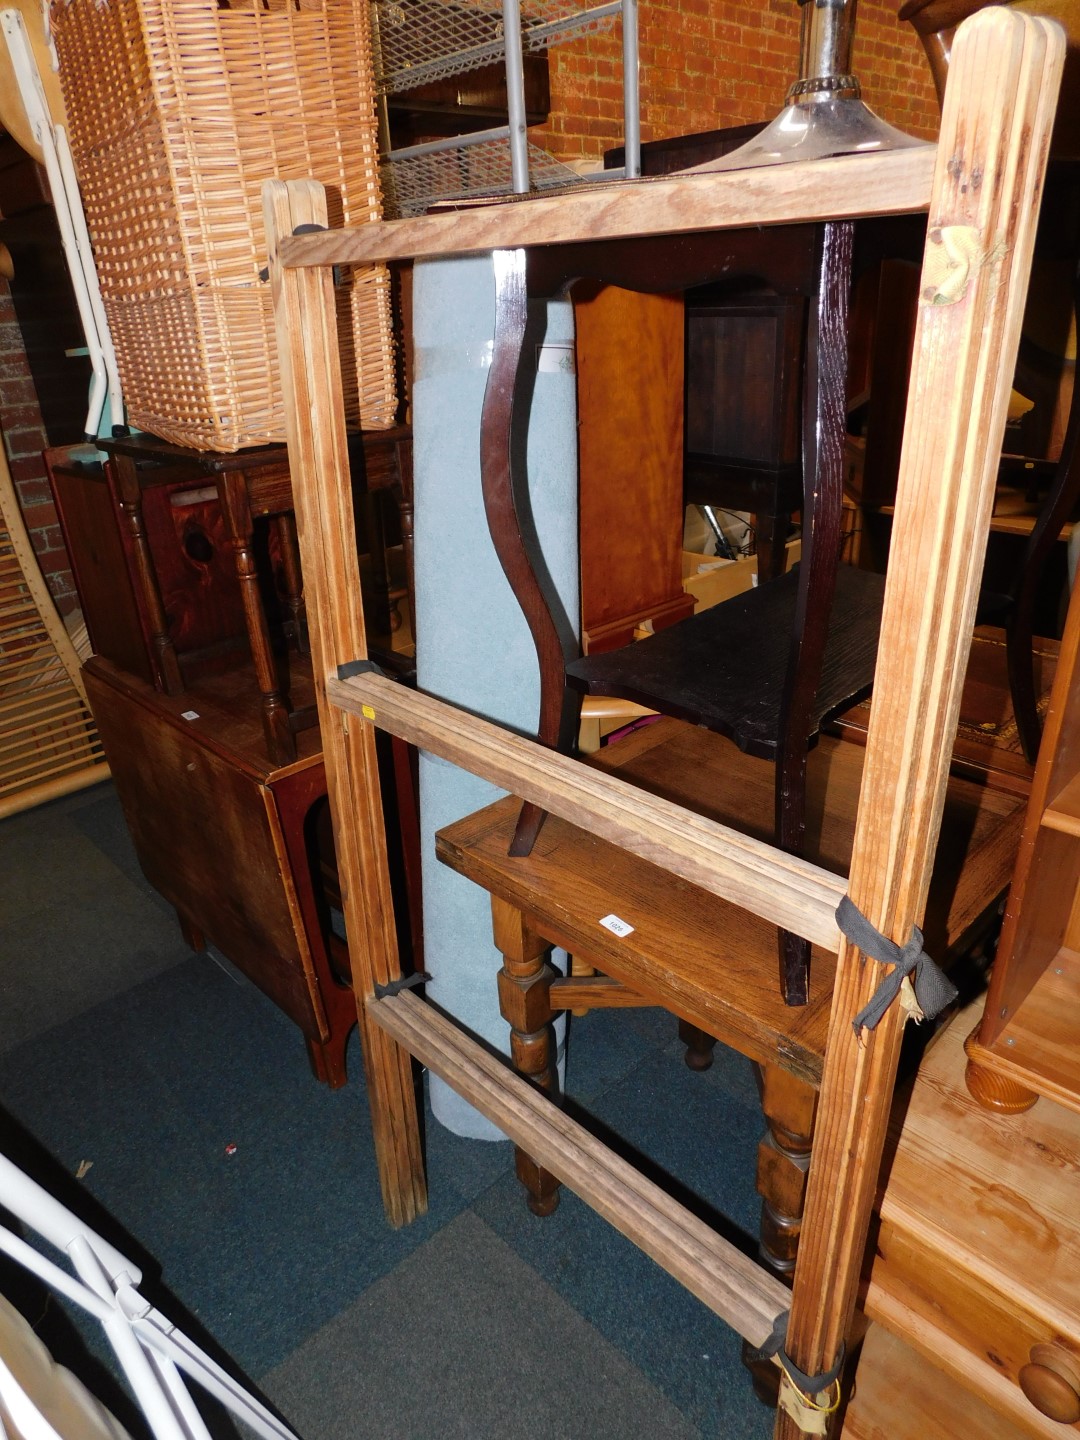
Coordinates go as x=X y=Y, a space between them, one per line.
x=894 y=182
x=319 y=464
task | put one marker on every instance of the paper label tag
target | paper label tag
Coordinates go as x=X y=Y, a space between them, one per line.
x=617 y=926
x=189 y=715
x=367 y=712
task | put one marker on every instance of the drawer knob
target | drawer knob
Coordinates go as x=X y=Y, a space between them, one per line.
x=1051 y=1381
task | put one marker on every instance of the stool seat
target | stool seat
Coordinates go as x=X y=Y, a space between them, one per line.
x=704 y=959
x=726 y=667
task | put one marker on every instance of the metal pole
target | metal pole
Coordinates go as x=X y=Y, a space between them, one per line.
x=515 y=97
x=631 y=89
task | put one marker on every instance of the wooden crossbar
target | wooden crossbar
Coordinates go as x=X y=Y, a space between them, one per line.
x=733 y=1286
x=783 y=889
x=896 y=182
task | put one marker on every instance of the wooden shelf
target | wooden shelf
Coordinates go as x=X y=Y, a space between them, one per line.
x=1063 y=813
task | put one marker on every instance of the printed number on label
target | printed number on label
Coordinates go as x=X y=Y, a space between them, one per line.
x=617 y=926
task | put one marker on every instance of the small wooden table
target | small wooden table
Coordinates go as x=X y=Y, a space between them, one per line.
x=248 y=484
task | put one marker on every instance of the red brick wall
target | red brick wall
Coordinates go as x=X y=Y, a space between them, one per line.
x=711 y=63
x=24 y=440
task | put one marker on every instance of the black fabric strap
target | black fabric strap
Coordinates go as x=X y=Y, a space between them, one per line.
x=360 y=667
x=774 y=1345
x=407 y=982
x=309 y=229
x=932 y=990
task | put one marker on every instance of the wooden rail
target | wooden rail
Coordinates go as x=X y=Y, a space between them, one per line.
x=896 y=182
x=732 y=1285
x=783 y=889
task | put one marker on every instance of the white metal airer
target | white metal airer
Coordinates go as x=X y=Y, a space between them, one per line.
x=53 y=141
x=154 y=1354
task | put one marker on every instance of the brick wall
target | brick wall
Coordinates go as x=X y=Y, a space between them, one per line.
x=24 y=440
x=711 y=63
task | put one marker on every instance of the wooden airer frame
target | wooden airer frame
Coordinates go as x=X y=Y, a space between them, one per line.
x=982 y=191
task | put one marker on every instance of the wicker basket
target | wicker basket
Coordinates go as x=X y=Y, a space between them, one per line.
x=178 y=111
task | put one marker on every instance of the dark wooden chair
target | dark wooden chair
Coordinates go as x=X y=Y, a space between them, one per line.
x=765 y=668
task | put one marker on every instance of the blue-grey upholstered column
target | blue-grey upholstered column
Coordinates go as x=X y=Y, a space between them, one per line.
x=473 y=646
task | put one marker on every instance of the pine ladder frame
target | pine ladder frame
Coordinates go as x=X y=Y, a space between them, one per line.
x=982 y=191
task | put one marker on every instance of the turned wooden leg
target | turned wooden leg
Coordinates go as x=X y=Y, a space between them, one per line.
x=525 y=1003
x=294 y=585
x=699 y=1046
x=789 y=1106
x=990 y=1088
x=280 y=741
x=163 y=657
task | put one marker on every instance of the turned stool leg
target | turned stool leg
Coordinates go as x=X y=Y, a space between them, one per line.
x=699 y=1046
x=789 y=1106
x=525 y=1003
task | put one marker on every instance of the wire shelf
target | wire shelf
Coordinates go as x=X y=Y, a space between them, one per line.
x=413 y=182
x=424 y=40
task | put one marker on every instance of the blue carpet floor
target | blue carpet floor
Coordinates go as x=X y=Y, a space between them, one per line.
x=249 y=1192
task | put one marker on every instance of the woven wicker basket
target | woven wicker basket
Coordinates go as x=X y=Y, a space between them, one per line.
x=178 y=111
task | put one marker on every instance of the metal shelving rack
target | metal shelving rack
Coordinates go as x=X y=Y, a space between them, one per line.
x=420 y=41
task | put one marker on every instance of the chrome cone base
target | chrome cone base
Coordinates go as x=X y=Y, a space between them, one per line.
x=824 y=114
x=812 y=129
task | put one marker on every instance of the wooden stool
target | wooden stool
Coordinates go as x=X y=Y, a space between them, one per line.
x=659 y=941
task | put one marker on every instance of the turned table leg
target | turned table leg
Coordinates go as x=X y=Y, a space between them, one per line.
x=163 y=657
x=280 y=741
x=294 y=586
x=525 y=1003
x=699 y=1046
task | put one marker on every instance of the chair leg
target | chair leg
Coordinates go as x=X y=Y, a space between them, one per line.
x=823 y=486
x=794 y=951
x=525 y=1003
x=557 y=725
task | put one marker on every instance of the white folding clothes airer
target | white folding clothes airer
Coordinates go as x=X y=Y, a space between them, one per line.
x=153 y=1353
x=60 y=169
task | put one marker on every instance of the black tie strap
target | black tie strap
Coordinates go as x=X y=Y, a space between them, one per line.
x=407 y=982
x=932 y=990
x=360 y=667
x=809 y=1386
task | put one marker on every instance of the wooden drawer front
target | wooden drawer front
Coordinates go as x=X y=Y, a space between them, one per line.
x=966 y=1323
